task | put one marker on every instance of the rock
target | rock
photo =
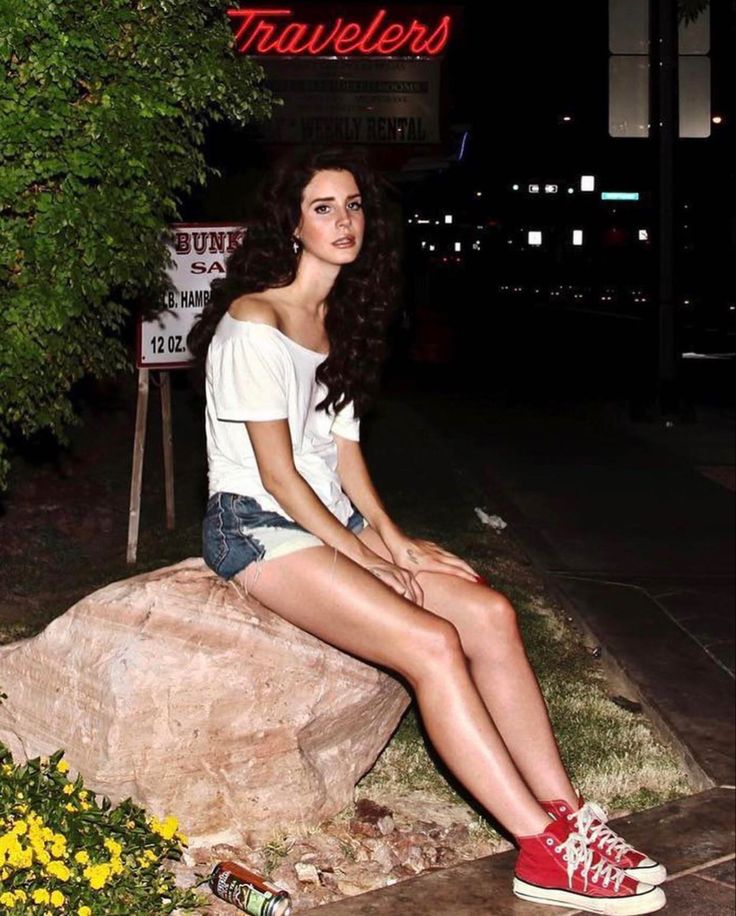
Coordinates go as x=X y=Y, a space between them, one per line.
x=307 y=873
x=328 y=878
x=349 y=889
x=384 y=856
x=174 y=688
x=363 y=828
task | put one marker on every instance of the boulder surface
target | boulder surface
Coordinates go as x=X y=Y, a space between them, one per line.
x=174 y=688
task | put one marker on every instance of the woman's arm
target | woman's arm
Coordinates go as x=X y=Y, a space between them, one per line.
x=272 y=447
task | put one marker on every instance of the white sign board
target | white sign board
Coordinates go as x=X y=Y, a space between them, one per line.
x=198 y=252
x=347 y=100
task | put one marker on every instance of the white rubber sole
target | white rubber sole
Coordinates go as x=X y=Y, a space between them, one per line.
x=648 y=902
x=654 y=874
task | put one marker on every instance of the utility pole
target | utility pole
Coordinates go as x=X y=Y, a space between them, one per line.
x=664 y=123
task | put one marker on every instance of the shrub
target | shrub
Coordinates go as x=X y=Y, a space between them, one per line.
x=62 y=852
x=103 y=112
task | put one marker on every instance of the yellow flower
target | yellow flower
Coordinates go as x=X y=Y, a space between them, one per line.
x=70 y=807
x=62 y=766
x=130 y=824
x=83 y=794
x=84 y=911
x=68 y=789
x=7 y=899
x=166 y=828
x=148 y=858
x=113 y=847
x=82 y=857
x=41 y=896
x=21 y=896
x=58 y=870
x=182 y=837
x=57 y=899
x=97 y=875
x=7 y=769
x=20 y=828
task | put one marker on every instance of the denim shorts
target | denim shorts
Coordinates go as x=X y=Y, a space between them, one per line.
x=237 y=531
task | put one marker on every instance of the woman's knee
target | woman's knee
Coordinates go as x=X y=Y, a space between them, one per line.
x=436 y=645
x=496 y=623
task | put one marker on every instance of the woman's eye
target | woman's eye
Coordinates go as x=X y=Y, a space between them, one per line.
x=356 y=205
x=321 y=208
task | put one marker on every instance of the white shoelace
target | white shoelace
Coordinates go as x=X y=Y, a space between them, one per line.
x=578 y=855
x=590 y=823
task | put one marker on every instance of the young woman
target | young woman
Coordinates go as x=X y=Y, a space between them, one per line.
x=294 y=337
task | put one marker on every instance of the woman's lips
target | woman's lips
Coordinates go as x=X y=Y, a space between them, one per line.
x=347 y=242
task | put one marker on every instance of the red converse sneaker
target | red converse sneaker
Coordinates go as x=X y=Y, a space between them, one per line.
x=590 y=822
x=558 y=867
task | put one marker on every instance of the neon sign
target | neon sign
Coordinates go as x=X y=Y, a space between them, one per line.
x=264 y=31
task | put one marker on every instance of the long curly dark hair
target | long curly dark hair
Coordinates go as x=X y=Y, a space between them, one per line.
x=362 y=301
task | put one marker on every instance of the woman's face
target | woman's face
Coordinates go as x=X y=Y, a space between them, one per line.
x=332 y=223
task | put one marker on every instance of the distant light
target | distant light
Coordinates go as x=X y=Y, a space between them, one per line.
x=514 y=187
x=717 y=119
x=458 y=246
x=423 y=222
x=550 y=189
x=571 y=190
x=534 y=237
x=643 y=235
x=534 y=189
x=566 y=118
x=463 y=144
x=432 y=247
x=476 y=245
x=577 y=236
x=448 y=218
x=478 y=193
x=619 y=195
x=587 y=182
x=424 y=244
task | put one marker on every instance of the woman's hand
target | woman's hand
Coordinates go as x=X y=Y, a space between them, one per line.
x=402 y=581
x=417 y=556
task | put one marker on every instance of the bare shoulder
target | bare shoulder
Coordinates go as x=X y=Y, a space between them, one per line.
x=254 y=307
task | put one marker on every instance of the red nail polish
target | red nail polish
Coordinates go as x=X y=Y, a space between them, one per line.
x=481 y=580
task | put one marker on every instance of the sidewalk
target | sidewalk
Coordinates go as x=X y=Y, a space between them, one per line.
x=639 y=545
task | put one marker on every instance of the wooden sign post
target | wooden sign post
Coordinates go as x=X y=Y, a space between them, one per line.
x=198 y=252
x=139 y=449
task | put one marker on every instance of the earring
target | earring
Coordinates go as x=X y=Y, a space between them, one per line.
x=296 y=246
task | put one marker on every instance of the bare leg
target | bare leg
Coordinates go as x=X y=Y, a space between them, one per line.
x=325 y=593
x=486 y=622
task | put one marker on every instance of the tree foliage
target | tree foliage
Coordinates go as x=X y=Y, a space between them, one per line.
x=103 y=109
